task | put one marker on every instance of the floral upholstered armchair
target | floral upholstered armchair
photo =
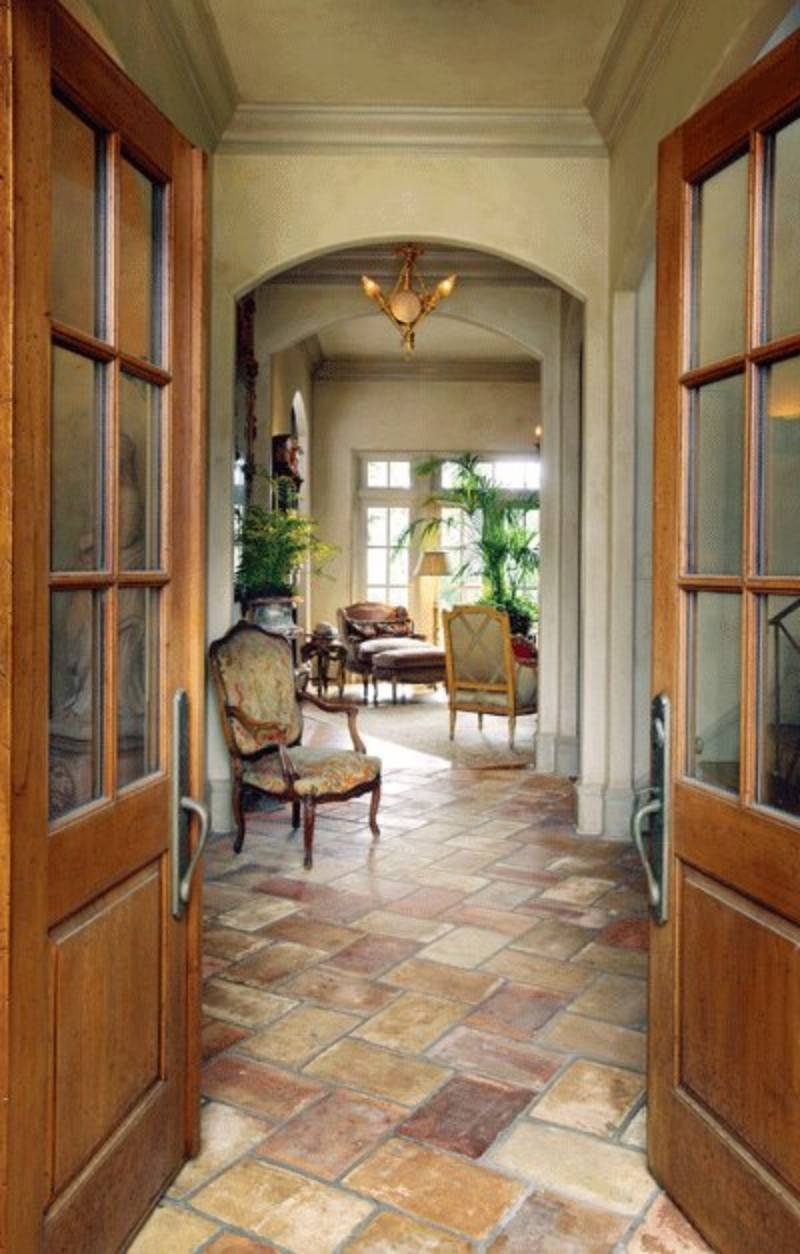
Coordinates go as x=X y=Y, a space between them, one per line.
x=483 y=675
x=260 y=708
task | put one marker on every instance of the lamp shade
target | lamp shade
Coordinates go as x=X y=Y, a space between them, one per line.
x=434 y=562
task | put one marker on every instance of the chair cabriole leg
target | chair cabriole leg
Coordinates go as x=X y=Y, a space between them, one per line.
x=295 y=815
x=309 y=815
x=238 y=816
x=375 y=801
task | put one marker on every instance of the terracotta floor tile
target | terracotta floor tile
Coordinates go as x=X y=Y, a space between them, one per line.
x=614 y=960
x=636 y=1131
x=412 y=1023
x=429 y=903
x=389 y=1231
x=447 y=1190
x=665 y=1230
x=465 y=947
x=467 y=1115
x=217 y=1036
x=552 y=938
x=627 y=934
x=226 y=1134
x=230 y=1243
x=604 y=1175
x=339 y=990
x=257 y=913
x=328 y=1138
x=435 y=877
x=219 y=897
x=502 y=895
x=591 y=1097
x=303 y=1215
x=516 y=1062
x=516 y=1010
x=578 y=890
x=270 y=965
x=493 y=920
x=605 y=1041
x=369 y=955
x=260 y=1088
x=401 y=926
x=315 y=935
x=376 y=887
x=547 y=1223
x=298 y=1035
x=173 y=1230
x=468 y=861
x=236 y=1003
x=561 y=978
x=225 y=942
x=617 y=998
x=442 y=981
x=377 y=1071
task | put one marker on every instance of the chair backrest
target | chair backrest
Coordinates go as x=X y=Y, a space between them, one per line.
x=253 y=674
x=478 y=649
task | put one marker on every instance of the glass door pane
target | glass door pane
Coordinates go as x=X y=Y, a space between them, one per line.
x=714 y=689
x=78 y=223
x=78 y=436
x=139 y=474
x=780 y=468
x=141 y=264
x=720 y=264
x=779 y=712
x=716 y=446
x=783 y=234
x=76 y=700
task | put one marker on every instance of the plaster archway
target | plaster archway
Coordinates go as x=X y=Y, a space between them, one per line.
x=546 y=214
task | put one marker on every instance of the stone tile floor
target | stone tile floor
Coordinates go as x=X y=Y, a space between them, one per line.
x=431 y=1043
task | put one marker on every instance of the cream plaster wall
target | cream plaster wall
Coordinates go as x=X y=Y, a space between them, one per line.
x=416 y=417
x=546 y=213
x=710 y=45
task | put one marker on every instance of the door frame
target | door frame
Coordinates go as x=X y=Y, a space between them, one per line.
x=25 y=46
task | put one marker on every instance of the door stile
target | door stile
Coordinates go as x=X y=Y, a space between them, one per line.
x=27 y=513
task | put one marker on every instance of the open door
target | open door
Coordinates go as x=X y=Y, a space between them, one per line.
x=724 y=1067
x=103 y=509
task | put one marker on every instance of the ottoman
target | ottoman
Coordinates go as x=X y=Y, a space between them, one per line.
x=414 y=664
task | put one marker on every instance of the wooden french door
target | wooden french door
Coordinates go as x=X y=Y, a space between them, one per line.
x=724 y=1083
x=107 y=491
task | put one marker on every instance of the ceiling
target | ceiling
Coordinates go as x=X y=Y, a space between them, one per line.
x=438 y=339
x=444 y=53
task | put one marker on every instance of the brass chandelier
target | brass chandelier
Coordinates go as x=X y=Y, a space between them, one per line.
x=410 y=300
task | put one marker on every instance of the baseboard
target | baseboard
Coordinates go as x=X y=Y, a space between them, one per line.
x=219 y=794
x=604 y=811
x=618 y=810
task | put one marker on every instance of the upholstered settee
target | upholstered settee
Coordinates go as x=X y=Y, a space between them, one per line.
x=369 y=627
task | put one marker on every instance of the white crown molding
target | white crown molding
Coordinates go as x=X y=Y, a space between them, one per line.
x=442 y=370
x=636 y=49
x=309 y=128
x=191 y=35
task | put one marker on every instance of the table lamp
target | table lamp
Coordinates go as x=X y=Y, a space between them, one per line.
x=434 y=563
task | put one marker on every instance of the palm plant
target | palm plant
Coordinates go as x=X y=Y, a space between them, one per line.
x=500 y=548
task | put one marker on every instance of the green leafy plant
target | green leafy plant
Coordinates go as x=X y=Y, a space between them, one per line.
x=273 y=545
x=500 y=548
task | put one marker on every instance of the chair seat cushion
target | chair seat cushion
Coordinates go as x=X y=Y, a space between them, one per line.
x=320 y=772
x=526 y=680
x=396 y=660
x=370 y=647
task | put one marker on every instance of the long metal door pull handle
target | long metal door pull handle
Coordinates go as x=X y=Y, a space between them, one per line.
x=201 y=810
x=653 y=887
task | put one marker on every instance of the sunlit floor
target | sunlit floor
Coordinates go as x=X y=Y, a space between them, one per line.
x=432 y=1043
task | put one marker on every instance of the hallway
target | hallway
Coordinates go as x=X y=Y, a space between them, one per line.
x=436 y=1044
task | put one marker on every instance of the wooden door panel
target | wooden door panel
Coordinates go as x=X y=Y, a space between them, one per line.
x=734 y=1020
x=712 y=831
x=90 y=854
x=107 y=1031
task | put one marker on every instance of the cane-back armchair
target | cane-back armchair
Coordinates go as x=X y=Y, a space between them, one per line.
x=483 y=675
x=260 y=709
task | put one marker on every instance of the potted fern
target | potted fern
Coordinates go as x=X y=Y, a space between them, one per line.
x=273 y=546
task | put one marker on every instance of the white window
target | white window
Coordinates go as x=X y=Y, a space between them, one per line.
x=395 y=473
x=516 y=474
x=387 y=565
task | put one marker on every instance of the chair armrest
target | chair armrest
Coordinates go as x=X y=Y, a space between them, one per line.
x=339 y=707
x=289 y=773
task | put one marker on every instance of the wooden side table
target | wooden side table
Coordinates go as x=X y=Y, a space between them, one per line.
x=325 y=649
